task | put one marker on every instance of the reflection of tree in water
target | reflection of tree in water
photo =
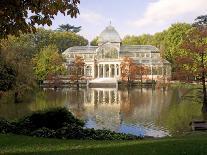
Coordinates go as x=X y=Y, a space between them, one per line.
x=110 y=108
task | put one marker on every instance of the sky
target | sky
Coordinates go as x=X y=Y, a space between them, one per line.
x=132 y=17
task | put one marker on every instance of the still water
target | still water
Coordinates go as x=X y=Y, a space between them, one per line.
x=144 y=112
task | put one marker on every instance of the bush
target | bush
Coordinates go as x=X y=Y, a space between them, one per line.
x=44 y=132
x=58 y=123
x=6 y=126
x=53 y=119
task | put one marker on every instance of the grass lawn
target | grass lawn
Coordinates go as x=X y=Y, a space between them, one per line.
x=194 y=144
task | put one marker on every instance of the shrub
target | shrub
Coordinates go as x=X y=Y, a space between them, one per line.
x=6 y=126
x=44 y=132
x=58 y=123
x=53 y=119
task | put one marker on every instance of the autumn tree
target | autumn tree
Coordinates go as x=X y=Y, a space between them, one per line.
x=194 y=60
x=77 y=71
x=142 y=70
x=128 y=69
x=22 y=15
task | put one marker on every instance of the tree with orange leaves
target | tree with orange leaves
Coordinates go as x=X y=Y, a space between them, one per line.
x=128 y=69
x=142 y=70
x=77 y=70
x=194 y=60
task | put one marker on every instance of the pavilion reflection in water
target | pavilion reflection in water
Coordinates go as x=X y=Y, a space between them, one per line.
x=114 y=109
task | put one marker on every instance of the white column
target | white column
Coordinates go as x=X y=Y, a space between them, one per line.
x=110 y=98
x=104 y=96
x=115 y=70
x=109 y=70
x=119 y=71
x=98 y=96
x=104 y=71
x=98 y=70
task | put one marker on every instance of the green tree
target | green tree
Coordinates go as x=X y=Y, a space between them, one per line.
x=15 y=15
x=7 y=76
x=62 y=40
x=173 y=40
x=131 y=40
x=94 y=42
x=69 y=28
x=158 y=40
x=48 y=63
x=14 y=55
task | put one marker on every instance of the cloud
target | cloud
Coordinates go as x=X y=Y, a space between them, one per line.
x=163 y=11
x=91 y=17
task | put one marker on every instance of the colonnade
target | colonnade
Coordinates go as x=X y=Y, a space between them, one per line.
x=108 y=70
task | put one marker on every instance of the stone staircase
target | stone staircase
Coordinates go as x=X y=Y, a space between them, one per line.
x=103 y=83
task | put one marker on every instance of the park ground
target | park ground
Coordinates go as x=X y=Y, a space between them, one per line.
x=188 y=144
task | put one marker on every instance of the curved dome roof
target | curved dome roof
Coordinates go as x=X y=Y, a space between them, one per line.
x=109 y=34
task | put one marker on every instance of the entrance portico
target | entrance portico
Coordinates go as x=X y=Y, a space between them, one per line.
x=108 y=70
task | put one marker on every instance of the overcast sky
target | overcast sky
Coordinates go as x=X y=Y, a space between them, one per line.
x=132 y=16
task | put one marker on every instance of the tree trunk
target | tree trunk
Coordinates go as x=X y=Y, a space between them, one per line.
x=204 y=108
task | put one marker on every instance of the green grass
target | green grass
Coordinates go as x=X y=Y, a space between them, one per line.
x=195 y=144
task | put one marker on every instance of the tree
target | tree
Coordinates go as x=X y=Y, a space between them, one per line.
x=48 y=63
x=69 y=28
x=94 y=42
x=142 y=70
x=201 y=21
x=131 y=40
x=194 y=60
x=77 y=70
x=62 y=40
x=23 y=15
x=173 y=40
x=7 y=76
x=128 y=70
x=16 y=58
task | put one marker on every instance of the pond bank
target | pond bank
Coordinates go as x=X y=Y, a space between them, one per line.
x=188 y=144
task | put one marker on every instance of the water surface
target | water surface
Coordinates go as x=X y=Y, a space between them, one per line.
x=137 y=111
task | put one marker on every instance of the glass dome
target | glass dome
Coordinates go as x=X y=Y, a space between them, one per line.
x=109 y=34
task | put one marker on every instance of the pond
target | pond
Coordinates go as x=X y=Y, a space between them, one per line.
x=145 y=112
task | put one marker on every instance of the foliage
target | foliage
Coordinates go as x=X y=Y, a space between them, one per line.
x=69 y=28
x=51 y=119
x=5 y=126
x=168 y=41
x=194 y=61
x=94 y=42
x=128 y=69
x=142 y=70
x=21 y=15
x=58 y=123
x=144 y=39
x=77 y=69
x=62 y=40
x=173 y=41
x=7 y=75
x=48 y=62
x=15 y=53
x=200 y=21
